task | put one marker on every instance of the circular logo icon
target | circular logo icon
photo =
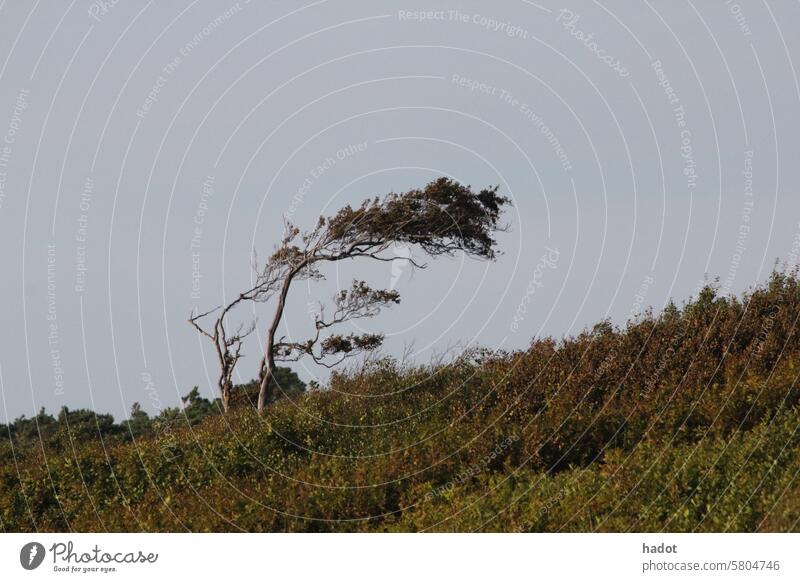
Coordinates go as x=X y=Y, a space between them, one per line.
x=31 y=555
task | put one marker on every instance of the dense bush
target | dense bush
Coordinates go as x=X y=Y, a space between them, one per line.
x=685 y=420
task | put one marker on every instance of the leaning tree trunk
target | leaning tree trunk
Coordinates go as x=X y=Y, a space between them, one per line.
x=269 y=356
x=264 y=390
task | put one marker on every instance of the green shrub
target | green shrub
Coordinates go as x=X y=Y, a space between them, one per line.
x=685 y=421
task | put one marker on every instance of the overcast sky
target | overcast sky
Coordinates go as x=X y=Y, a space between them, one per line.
x=148 y=148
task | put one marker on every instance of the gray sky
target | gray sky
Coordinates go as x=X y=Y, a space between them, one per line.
x=147 y=148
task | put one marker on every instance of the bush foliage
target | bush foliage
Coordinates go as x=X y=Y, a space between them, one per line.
x=682 y=421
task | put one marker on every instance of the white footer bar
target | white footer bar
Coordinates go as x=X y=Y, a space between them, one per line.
x=332 y=557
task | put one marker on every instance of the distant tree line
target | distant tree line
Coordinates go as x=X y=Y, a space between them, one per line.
x=81 y=424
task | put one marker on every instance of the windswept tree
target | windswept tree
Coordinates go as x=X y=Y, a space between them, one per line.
x=444 y=218
x=227 y=346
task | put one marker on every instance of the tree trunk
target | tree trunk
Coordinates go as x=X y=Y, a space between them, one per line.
x=269 y=356
x=225 y=395
x=264 y=392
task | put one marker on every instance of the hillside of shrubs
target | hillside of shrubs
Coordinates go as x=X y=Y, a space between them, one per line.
x=682 y=420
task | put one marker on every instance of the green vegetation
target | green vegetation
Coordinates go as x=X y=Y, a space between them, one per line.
x=686 y=420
